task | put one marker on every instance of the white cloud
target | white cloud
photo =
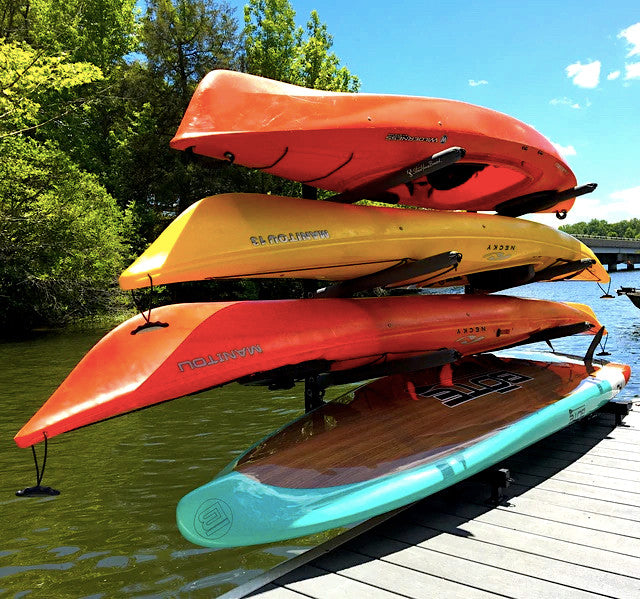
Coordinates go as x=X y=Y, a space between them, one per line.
x=632 y=71
x=585 y=75
x=565 y=102
x=630 y=196
x=613 y=75
x=564 y=151
x=474 y=83
x=632 y=35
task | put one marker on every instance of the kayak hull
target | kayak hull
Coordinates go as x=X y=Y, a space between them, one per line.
x=187 y=348
x=341 y=141
x=253 y=235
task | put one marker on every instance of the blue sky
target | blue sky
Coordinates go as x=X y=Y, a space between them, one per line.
x=571 y=69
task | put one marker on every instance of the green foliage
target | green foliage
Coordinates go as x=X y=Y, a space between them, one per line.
x=91 y=93
x=185 y=39
x=34 y=86
x=101 y=32
x=276 y=48
x=624 y=228
x=59 y=237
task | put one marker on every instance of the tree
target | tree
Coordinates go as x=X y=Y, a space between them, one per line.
x=185 y=39
x=276 y=48
x=59 y=229
x=101 y=32
x=34 y=87
x=602 y=228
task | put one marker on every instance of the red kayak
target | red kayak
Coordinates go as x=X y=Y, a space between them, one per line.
x=361 y=143
x=192 y=347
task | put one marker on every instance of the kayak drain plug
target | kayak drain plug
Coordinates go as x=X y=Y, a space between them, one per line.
x=38 y=490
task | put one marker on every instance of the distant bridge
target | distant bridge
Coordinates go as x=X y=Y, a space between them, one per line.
x=612 y=251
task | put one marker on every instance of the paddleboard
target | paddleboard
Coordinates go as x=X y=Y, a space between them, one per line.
x=185 y=348
x=392 y=442
x=252 y=235
x=345 y=142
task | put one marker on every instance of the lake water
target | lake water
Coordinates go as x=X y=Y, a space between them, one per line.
x=112 y=530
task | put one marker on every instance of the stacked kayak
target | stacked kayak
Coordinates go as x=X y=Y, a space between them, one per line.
x=441 y=407
x=346 y=142
x=273 y=236
x=192 y=347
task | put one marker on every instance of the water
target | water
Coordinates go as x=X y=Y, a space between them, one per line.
x=112 y=530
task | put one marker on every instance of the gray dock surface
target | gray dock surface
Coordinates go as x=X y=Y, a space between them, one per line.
x=571 y=529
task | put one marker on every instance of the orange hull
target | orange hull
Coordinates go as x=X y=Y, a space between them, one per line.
x=210 y=344
x=341 y=141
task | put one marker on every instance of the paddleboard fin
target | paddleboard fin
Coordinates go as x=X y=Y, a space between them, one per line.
x=542 y=200
x=375 y=189
x=396 y=274
x=588 y=357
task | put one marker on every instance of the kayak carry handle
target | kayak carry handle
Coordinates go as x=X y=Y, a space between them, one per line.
x=573 y=269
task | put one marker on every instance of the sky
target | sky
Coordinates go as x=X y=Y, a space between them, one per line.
x=570 y=69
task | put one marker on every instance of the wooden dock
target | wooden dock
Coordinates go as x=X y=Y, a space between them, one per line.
x=571 y=528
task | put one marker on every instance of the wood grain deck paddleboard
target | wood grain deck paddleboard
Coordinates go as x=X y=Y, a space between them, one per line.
x=187 y=348
x=252 y=235
x=393 y=442
x=342 y=141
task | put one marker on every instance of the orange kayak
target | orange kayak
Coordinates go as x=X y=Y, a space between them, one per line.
x=192 y=347
x=342 y=141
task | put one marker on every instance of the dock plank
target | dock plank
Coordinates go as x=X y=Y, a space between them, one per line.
x=406 y=581
x=478 y=531
x=484 y=570
x=612 y=471
x=273 y=591
x=521 y=561
x=585 y=504
x=570 y=475
x=525 y=482
x=547 y=527
x=315 y=582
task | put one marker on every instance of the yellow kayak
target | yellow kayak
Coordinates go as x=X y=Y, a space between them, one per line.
x=251 y=235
